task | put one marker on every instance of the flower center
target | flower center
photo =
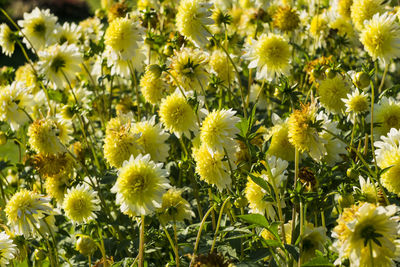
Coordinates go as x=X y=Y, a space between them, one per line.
x=58 y=63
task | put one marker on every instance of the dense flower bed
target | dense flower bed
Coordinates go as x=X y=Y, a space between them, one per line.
x=196 y=133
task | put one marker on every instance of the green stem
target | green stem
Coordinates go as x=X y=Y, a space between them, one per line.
x=371 y=253
x=296 y=175
x=196 y=245
x=218 y=223
x=141 y=243
x=174 y=248
x=176 y=245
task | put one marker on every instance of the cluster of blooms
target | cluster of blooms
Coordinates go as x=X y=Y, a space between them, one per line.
x=167 y=116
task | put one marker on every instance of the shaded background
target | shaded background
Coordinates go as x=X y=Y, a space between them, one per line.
x=65 y=10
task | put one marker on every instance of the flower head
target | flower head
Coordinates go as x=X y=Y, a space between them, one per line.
x=191 y=18
x=362 y=10
x=15 y=101
x=212 y=168
x=381 y=37
x=219 y=128
x=177 y=115
x=331 y=92
x=303 y=133
x=270 y=54
x=356 y=102
x=188 y=66
x=140 y=186
x=80 y=203
x=286 y=18
x=174 y=207
x=221 y=67
x=37 y=26
x=387 y=114
x=60 y=63
x=8 y=249
x=67 y=33
x=152 y=139
x=122 y=38
x=7 y=39
x=280 y=145
x=364 y=227
x=152 y=87
x=25 y=210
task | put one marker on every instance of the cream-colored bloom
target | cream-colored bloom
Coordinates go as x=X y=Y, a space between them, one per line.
x=8 y=249
x=270 y=54
x=140 y=186
x=38 y=27
x=364 y=10
x=387 y=115
x=67 y=33
x=191 y=18
x=7 y=39
x=15 y=104
x=381 y=37
x=60 y=63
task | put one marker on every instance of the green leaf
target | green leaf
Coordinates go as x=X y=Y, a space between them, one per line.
x=260 y=182
x=293 y=251
x=320 y=261
x=257 y=219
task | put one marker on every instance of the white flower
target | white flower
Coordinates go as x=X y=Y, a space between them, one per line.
x=7 y=40
x=7 y=249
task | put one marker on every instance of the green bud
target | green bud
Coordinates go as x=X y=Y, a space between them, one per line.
x=86 y=246
x=330 y=73
x=361 y=80
x=39 y=254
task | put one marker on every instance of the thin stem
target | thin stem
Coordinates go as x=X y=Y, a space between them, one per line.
x=133 y=75
x=174 y=248
x=301 y=231
x=141 y=243
x=296 y=175
x=219 y=223
x=196 y=245
x=371 y=254
x=210 y=198
x=176 y=245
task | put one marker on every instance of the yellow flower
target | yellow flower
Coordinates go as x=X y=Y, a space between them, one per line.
x=60 y=63
x=37 y=26
x=25 y=74
x=303 y=134
x=364 y=227
x=344 y=7
x=25 y=210
x=255 y=196
x=52 y=165
x=319 y=28
x=331 y=92
x=56 y=187
x=140 y=186
x=387 y=114
x=152 y=139
x=122 y=38
x=174 y=207
x=343 y=27
x=363 y=10
x=356 y=102
x=381 y=37
x=286 y=18
x=67 y=33
x=47 y=136
x=219 y=129
x=191 y=18
x=7 y=40
x=80 y=204
x=8 y=250
x=188 y=66
x=222 y=67
x=212 y=168
x=177 y=115
x=152 y=87
x=14 y=102
x=270 y=54
x=280 y=145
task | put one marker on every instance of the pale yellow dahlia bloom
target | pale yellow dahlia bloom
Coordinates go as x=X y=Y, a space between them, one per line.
x=331 y=92
x=174 y=207
x=7 y=39
x=15 y=104
x=8 y=250
x=381 y=37
x=38 y=27
x=364 y=10
x=387 y=114
x=60 y=64
x=152 y=139
x=280 y=146
x=177 y=115
x=140 y=186
x=192 y=18
x=364 y=227
x=80 y=204
x=219 y=129
x=25 y=211
x=213 y=168
x=270 y=54
x=188 y=66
